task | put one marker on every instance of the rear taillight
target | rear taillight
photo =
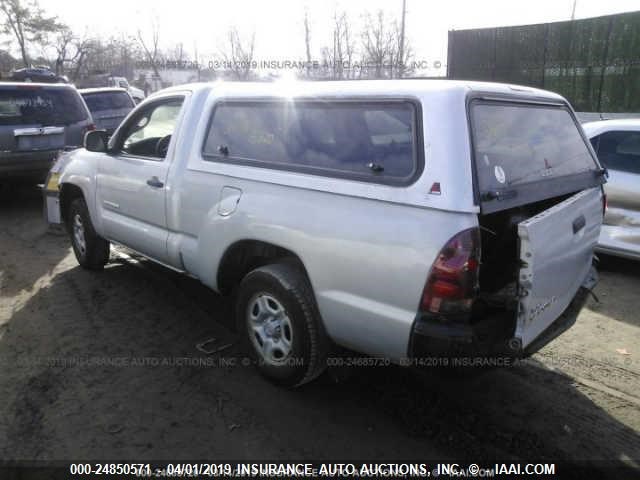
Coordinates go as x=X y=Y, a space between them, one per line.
x=453 y=280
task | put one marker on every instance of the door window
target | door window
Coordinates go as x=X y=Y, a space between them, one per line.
x=619 y=151
x=149 y=132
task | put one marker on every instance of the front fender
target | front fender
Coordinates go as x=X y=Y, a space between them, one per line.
x=81 y=171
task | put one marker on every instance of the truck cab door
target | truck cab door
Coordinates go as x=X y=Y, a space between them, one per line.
x=131 y=194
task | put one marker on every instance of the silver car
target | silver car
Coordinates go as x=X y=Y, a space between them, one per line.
x=617 y=143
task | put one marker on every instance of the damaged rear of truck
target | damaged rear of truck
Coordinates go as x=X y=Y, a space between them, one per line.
x=519 y=279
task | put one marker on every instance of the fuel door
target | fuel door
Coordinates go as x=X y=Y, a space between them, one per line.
x=229 y=199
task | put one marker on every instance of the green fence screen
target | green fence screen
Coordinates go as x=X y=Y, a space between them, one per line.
x=595 y=62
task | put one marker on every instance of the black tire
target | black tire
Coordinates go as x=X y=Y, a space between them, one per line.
x=288 y=286
x=94 y=254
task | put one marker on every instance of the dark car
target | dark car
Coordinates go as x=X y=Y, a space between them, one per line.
x=37 y=74
x=108 y=106
x=36 y=122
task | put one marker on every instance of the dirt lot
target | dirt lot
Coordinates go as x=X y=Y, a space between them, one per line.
x=101 y=365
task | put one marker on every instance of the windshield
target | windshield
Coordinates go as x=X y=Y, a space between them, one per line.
x=519 y=144
x=41 y=105
x=107 y=101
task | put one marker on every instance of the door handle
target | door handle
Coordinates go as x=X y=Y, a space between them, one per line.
x=155 y=182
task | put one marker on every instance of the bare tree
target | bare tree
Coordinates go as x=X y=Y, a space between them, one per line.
x=307 y=41
x=386 y=50
x=114 y=56
x=83 y=48
x=92 y=57
x=402 y=64
x=25 y=20
x=177 y=54
x=129 y=52
x=401 y=41
x=347 y=46
x=63 y=44
x=239 y=55
x=339 y=58
x=378 y=46
x=151 y=50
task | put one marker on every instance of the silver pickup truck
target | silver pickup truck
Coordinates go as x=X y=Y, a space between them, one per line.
x=405 y=220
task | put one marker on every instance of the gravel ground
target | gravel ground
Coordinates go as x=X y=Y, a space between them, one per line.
x=107 y=365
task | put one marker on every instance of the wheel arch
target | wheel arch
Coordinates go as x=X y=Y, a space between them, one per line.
x=245 y=255
x=68 y=193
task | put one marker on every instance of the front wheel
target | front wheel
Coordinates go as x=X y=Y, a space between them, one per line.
x=280 y=325
x=91 y=250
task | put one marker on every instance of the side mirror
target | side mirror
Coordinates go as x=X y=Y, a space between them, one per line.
x=96 y=141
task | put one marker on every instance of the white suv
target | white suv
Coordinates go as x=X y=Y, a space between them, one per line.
x=410 y=220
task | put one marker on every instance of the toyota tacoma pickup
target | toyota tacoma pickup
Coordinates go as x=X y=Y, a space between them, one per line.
x=399 y=219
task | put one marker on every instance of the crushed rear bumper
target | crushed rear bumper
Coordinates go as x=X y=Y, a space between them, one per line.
x=489 y=341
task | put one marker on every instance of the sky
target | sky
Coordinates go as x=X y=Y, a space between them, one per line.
x=202 y=25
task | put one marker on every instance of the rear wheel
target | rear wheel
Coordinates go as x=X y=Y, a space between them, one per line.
x=91 y=250
x=280 y=325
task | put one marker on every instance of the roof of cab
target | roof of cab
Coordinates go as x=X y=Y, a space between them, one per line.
x=416 y=87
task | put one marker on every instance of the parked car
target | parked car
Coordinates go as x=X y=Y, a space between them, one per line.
x=37 y=121
x=37 y=74
x=617 y=143
x=121 y=82
x=108 y=106
x=418 y=221
x=105 y=80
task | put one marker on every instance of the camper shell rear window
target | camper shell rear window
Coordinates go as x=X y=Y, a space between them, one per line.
x=524 y=152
